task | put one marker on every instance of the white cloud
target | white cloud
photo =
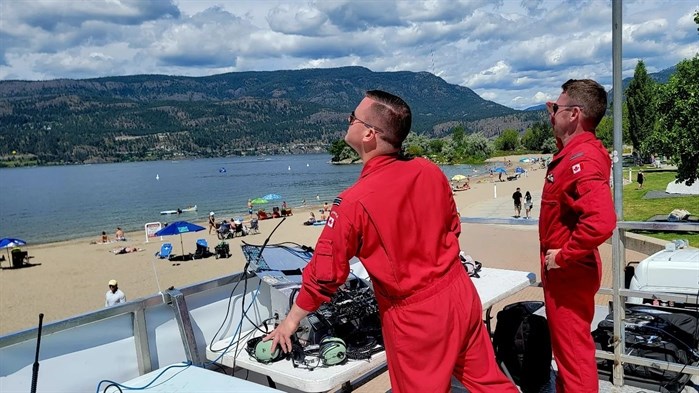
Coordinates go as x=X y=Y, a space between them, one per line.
x=516 y=53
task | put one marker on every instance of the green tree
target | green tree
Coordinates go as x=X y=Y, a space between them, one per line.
x=677 y=133
x=640 y=100
x=478 y=146
x=536 y=135
x=416 y=145
x=457 y=134
x=605 y=129
x=436 y=146
x=508 y=140
x=340 y=151
x=549 y=146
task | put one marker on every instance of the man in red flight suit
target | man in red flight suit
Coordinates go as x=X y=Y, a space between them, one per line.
x=577 y=215
x=400 y=220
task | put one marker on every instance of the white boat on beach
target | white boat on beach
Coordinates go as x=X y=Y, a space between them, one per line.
x=178 y=211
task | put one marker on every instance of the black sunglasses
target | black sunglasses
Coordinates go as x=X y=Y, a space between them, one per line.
x=556 y=106
x=352 y=118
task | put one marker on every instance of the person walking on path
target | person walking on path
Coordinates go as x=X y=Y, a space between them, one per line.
x=577 y=215
x=517 y=197
x=114 y=294
x=639 y=179
x=528 y=204
x=431 y=314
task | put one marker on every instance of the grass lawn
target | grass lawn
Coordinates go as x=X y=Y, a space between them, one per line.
x=638 y=209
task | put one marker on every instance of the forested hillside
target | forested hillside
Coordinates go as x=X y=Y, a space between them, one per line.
x=156 y=116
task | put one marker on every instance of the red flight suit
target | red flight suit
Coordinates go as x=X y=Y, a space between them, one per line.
x=577 y=215
x=400 y=220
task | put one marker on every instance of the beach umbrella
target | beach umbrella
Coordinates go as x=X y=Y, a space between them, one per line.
x=458 y=177
x=519 y=169
x=259 y=201
x=500 y=170
x=10 y=242
x=178 y=228
x=271 y=197
x=524 y=159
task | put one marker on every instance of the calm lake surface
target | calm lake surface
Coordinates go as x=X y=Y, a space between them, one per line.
x=47 y=204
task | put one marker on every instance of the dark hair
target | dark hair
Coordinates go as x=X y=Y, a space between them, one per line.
x=527 y=194
x=590 y=95
x=394 y=114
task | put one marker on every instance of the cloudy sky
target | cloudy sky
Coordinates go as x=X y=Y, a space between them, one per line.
x=514 y=52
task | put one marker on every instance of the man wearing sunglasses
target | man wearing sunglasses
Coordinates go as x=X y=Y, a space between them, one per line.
x=430 y=310
x=577 y=215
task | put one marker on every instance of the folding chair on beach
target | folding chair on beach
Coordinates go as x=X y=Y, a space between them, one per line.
x=254 y=226
x=165 y=251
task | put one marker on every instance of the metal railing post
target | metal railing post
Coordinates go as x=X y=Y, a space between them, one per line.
x=618 y=183
x=189 y=341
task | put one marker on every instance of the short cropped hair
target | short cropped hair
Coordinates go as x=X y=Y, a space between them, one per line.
x=394 y=115
x=590 y=95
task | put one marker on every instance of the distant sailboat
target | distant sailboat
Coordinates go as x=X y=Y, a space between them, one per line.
x=157 y=177
x=289 y=167
x=307 y=165
x=222 y=170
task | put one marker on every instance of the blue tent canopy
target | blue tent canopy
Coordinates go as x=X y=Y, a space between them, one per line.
x=178 y=228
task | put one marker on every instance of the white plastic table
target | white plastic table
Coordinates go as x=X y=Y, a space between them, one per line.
x=492 y=286
x=192 y=379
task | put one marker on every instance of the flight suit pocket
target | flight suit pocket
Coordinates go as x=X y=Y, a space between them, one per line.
x=548 y=214
x=324 y=266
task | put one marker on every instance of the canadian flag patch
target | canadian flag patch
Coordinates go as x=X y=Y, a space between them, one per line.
x=576 y=168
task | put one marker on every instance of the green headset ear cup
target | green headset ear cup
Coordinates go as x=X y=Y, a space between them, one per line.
x=333 y=350
x=264 y=354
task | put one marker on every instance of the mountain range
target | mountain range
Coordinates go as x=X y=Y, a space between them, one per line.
x=144 y=117
x=157 y=116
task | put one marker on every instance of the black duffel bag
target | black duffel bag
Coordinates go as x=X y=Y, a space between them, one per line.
x=652 y=334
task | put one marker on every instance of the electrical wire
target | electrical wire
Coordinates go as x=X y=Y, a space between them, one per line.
x=245 y=285
x=119 y=386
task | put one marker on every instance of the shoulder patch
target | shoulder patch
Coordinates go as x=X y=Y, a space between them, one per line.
x=337 y=201
x=577 y=168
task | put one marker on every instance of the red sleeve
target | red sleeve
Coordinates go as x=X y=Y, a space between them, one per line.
x=329 y=267
x=590 y=197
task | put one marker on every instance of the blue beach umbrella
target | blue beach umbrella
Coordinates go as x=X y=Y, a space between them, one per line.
x=271 y=197
x=519 y=169
x=178 y=228
x=500 y=170
x=10 y=242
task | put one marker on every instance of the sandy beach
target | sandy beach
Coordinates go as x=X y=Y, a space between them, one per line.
x=70 y=278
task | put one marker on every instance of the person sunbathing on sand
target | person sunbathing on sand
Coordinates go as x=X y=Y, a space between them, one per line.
x=311 y=219
x=119 y=235
x=126 y=250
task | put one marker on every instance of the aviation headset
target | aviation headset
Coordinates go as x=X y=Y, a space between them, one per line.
x=331 y=351
x=262 y=350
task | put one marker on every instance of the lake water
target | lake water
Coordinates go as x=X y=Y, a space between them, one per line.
x=47 y=204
